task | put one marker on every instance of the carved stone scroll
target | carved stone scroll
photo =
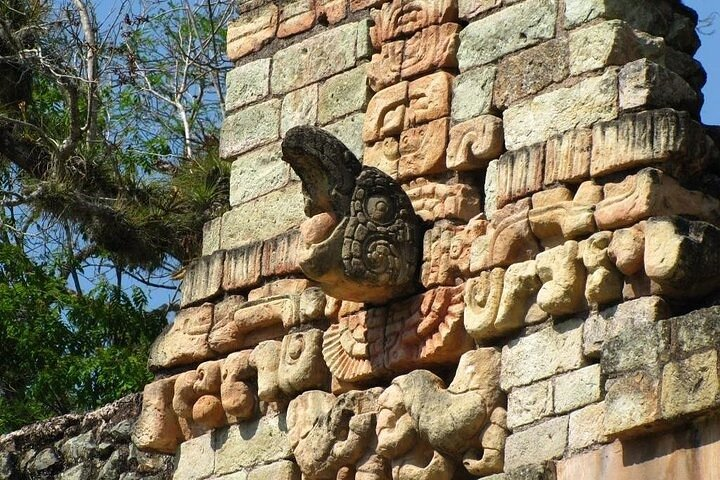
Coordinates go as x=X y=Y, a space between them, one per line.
x=430 y=49
x=406 y=16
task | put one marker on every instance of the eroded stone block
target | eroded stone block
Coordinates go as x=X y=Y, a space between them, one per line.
x=384 y=68
x=604 y=281
x=422 y=149
x=203 y=279
x=434 y=201
x=557 y=215
x=631 y=402
x=430 y=49
x=644 y=84
x=385 y=115
x=295 y=17
x=563 y=275
x=251 y=31
x=429 y=98
x=474 y=143
x=567 y=157
x=690 y=385
x=520 y=173
x=400 y=17
x=157 y=428
x=384 y=155
x=185 y=341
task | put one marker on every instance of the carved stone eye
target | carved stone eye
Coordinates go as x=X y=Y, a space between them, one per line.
x=380 y=209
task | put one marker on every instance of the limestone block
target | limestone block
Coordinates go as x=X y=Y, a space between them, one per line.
x=203 y=279
x=243 y=267
x=251 y=31
x=691 y=385
x=601 y=45
x=508 y=240
x=431 y=49
x=586 y=427
x=283 y=286
x=482 y=301
x=558 y=347
x=185 y=341
x=649 y=193
x=529 y=404
x=545 y=441
x=557 y=216
x=429 y=98
x=250 y=127
x=520 y=287
x=385 y=114
x=238 y=398
x=563 y=275
x=247 y=84
x=333 y=11
x=299 y=107
x=474 y=143
x=490 y=189
x=520 y=173
x=397 y=18
x=157 y=428
x=567 y=157
x=511 y=29
x=211 y=236
x=295 y=17
x=446 y=253
x=642 y=346
x=383 y=155
x=644 y=15
x=697 y=330
x=195 y=459
x=434 y=201
x=265 y=358
x=592 y=100
x=654 y=137
x=251 y=443
x=530 y=71
x=384 y=68
x=472 y=93
x=604 y=281
x=314 y=59
x=301 y=362
x=282 y=470
x=631 y=402
x=363 y=43
x=349 y=131
x=468 y=9
x=576 y=389
x=422 y=149
x=627 y=249
x=646 y=85
x=257 y=173
x=344 y=93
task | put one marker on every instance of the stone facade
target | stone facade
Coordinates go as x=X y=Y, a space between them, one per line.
x=464 y=240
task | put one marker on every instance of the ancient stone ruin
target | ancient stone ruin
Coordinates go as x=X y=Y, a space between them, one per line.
x=468 y=239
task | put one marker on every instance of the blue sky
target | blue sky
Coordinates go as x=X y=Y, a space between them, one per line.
x=709 y=56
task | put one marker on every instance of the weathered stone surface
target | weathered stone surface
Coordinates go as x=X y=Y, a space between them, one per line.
x=545 y=441
x=429 y=98
x=697 y=330
x=434 y=201
x=490 y=189
x=422 y=149
x=559 y=347
x=257 y=173
x=251 y=31
x=563 y=275
x=344 y=93
x=644 y=15
x=295 y=17
x=299 y=107
x=644 y=84
x=203 y=279
x=265 y=358
x=581 y=105
x=157 y=428
x=385 y=114
x=482 y=301
x=301 y=363
x=531 y=403
x=631 y=402
x=252 y=443
x=642 y=346
x=397 y=18
x=647 y=138
x=604 y=281
x=587 y=427
x=602 y=45
x=474 y=143
x=195 y=458
x=430 y=49
x=473 y=93
x=446 y=252
x=691 y=385
x=384 y=155
x=520 y=173
x=282 y=470
x=384 y=68
x=530 y=71
x=247 y=83
x=313 y=59
x=577 y=389
x=185 y=341
x=211 y=236
x=243 y=267
x=333 y=11
x=567 y=157
x=250 y=127
x=557 y=216
x=627 y=249
x=271 y=214
x=511 y=29
x=468 y=9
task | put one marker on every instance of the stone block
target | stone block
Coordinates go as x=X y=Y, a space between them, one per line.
x=697 y=330
x=257 y=173
x=296 y=17
x=545 y=441
x=567 y=157
x=563 y=275
x=385 y=114
x=429 y=98
x=468 y=9
x=631 y=402
x=642 y=346
x=520 y=173
x=243 y=267
x=472 y=93
x=251 y=31
x=299 y=107
x=203 y=279
x=592 y=100
x=349 y=131
x=559 y=347
x=211 y=236
x=283 y=286
x=430 y=49
x=315 y=58
x=529 y=404
x=195 y=459
x=530 y=71
x=185 y=341
x=384 y=68
x=333 y=11
x=490 y=187
x=250 y=127
x=282 y=470
x=246 y=84
x=557 y=216
x=646 y=85
x=434 y=201
x=690 y=385
x=157 y=427
x=602 y=45
x=474 y=143
x=383 y=155
x=398 y=18
x=422 y=149
x=586 y=427
x=344 y=93
x=363 y=43
x=280 y=255
x=511 y=29
x=577 y=389
x=251 y=444
x=644 y=15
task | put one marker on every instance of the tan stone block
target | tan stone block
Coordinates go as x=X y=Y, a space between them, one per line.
x=529 y=404
x=384 y=68
x=649 y=193
x=283 y=286
x=567 y=157
x=157 y=428
x=482 y=301
x=384 y=155
x=299 y=107
x=446 y=252
x=243 y=267
x=556 y=216
x=399 y=17
x=356 y=5
x=601 y=45
x=185 y=341
x=422 y=149
x=520 y=287
x=195 y=459
x=537 y=444
x=468 y=9
x=280 y=255
x=203 y=279
x=563 y=275
x=586 y=427
x=353 y=347
x=577 y=389
x=645 y=84
x=474 y=143
x=211 y=236
x=690 y=385
x=429 y=98
x=265 y=358
x=508 y=239
x=296 y=17
x=333 y=11
x=434 y=201
x=431 y=49
x=520 y=173
x=385 y=114
x=282 y=470
x=251 y=444
x=301 y=363
x=604 y=283
x=631 y=402
x=251 y=31
x=627 y=249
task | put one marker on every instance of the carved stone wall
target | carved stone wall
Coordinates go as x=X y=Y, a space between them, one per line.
x=468 y=239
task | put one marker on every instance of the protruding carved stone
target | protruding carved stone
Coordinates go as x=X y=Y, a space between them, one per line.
x=384 y=155
x=604 y=282
x=482 y=302
x=385 y=114
x=265 y=358
x=238 y=399
x=203 y=279
x=362 y=242
x=627 y=249
x=556 y=216
x=563 y=275
x=520 y=287
x=520 y=173
x=157 y=428
x=301 y=362
x=295 y=17
x=446 y=252
x=384 y=68
x=429 y=98
x=474 y=143
x=185 y=341
x=353 y=346
x=422 y=149
x=567 y=157
x=243 y=267
x=434 y=201
x=406 y=16
x=430 y=49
